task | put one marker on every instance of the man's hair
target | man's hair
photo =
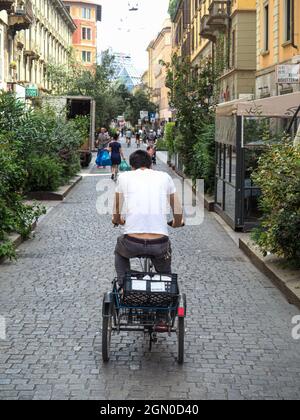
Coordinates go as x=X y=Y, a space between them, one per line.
x=140 y=159
x=116 y=136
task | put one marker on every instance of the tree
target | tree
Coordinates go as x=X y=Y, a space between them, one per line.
x=139 y=101
x=191 y=95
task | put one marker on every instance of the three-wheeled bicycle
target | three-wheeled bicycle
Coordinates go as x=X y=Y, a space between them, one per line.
x=148 y=302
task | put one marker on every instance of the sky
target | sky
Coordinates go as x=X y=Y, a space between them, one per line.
x=131 y=32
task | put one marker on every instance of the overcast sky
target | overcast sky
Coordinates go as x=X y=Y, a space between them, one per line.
x=131 y=32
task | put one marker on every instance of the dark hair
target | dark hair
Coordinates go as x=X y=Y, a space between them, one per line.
x=140 y=159
x=116 y=136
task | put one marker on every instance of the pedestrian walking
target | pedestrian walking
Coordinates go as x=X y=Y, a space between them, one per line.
x=116 y=151
x=138 y=140
x=102 y=144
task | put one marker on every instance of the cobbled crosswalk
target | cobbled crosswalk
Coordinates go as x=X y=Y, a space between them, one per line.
x=238 y=342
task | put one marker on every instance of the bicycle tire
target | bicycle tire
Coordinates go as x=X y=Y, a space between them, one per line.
x=106 y=337
x=180 y=338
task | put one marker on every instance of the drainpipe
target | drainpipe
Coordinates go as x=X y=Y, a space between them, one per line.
x=293 y=26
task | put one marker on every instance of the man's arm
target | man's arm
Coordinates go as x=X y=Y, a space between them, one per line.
x=118 y=204
x=177 y=211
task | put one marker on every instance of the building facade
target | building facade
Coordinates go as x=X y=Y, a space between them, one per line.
x=160 y=50
x=32 y=35
x=278 y=43
x=222 y=31
x=125 y=71
x=86 y=14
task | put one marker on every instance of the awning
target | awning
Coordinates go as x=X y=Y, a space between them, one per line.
x=276 y=106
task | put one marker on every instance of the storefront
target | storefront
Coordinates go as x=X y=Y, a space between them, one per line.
x=242 y=129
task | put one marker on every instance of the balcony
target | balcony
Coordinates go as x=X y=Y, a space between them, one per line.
x=6 y=5
x=22 y=16
x=218 y=15
x=156 y=93
x=32 y=52
x=206 y=30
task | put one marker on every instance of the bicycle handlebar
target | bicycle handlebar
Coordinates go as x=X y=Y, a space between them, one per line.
x=170 y=223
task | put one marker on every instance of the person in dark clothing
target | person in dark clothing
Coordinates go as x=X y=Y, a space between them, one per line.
x=116 y=151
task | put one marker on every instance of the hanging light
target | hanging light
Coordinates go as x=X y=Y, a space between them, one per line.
x=133 y=8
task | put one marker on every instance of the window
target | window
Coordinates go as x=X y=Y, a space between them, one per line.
x=86 y=13
x=266 y=19
x=288 y=20
x=86 y=56
x=86 y=33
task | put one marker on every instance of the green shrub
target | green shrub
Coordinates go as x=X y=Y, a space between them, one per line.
x=15 y=216
x=44 y=173
x=169 y=136
x=161 y=145
x=204 y=157
x=278 y=176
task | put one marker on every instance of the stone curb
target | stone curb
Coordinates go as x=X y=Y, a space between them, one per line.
x=286 y=280
x=58 y=195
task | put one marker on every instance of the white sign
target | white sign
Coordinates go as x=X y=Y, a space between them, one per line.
x=139 y=285
x=144 y=114
x=158 y=287
x=288 y=73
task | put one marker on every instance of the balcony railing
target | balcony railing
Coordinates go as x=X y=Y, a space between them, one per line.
x=218 y=15
x=6 y=5
x=22 y=17
x=206 y=30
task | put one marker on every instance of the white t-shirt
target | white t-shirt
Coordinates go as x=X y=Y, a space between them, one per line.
x=146 y=200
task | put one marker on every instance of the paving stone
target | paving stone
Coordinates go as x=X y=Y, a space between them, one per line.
x=238 y=340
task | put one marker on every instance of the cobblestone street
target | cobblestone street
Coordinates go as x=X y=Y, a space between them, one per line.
x=238 y=343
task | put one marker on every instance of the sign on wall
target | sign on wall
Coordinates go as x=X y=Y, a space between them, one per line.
x=288 y=73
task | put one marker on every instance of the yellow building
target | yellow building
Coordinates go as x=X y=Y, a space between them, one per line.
x=201 y=28
x=32 y=34
x=278 y=43
x=160 y=50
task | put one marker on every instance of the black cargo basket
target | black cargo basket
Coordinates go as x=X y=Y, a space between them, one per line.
x=152 y=294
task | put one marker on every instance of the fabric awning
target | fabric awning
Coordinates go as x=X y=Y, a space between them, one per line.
x=276 y=106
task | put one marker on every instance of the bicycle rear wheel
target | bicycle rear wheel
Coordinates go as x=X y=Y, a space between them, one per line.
x=180 y=339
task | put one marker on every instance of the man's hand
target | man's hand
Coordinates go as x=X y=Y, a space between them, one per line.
x=118 y=220
x=177 y=223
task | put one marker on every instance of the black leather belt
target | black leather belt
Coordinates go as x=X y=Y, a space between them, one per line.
x=162 y=240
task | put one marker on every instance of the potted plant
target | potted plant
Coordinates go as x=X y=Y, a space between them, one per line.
x=13 y=65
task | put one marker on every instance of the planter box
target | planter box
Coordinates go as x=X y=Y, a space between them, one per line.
x=58 y=195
